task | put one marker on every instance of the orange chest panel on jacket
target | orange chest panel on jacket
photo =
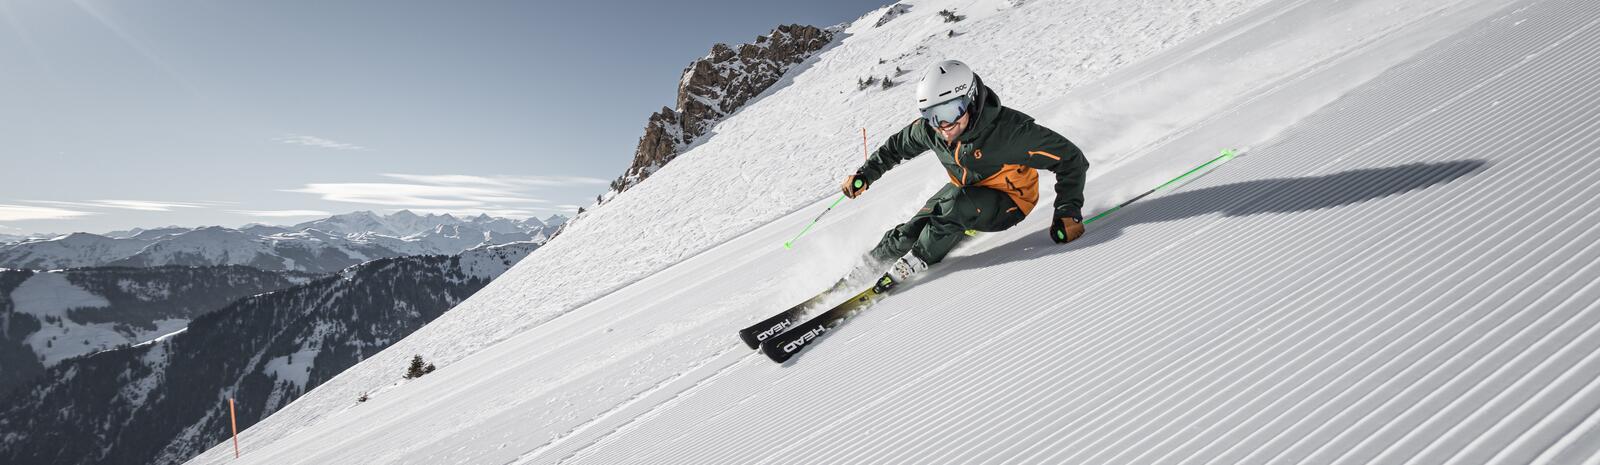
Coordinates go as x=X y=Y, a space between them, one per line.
x=1019 y=182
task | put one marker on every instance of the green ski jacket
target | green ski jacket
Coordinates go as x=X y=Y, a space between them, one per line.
x=1001 y=149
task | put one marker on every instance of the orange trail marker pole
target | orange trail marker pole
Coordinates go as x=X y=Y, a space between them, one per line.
x=863 y=143
x=234 y=419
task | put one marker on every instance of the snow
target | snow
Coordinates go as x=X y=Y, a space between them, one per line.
x=891 y=13
x=493 y=261
x=50 y=294
x=136 y=391
x=284 y=368
x=1399 y=268
x=168 y=334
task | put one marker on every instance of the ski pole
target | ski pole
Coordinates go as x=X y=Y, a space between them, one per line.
x=790 y=244
x=1227 y=154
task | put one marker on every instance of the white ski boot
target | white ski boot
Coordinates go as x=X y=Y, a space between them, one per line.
x=906 y=267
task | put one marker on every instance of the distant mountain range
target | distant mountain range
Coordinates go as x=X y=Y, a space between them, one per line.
x=158 y=401
x=320 y=246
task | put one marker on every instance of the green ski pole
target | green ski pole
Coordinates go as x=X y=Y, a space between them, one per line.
x=790 y=244
x=1227 y=154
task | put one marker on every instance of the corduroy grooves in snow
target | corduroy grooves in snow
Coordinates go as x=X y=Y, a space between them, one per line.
x=1400 y=268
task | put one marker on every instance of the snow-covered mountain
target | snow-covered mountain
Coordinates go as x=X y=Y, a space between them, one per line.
x=5 y=238
x=52 y=316
x=155 y=402
x=139 y=233
x=554 y=221
x=71 y=250
x=1399 y=268
x=320 y=246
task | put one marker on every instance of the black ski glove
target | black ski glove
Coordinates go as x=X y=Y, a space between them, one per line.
x=1066 y=228
x=854 y=185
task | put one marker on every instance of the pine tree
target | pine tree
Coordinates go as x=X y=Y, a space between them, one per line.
x=416 y=370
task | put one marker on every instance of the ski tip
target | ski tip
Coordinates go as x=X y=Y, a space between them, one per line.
x=788 y=245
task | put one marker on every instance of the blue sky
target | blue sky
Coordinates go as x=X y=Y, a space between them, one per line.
x=116 y=114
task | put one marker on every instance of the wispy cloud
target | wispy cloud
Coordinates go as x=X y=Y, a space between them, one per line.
x=458 y=194
x=499 y=181
x=28 y=212
x=415 y=195
x=314 y=141
x=499 y=212
x=140 y=205
x=279 y=213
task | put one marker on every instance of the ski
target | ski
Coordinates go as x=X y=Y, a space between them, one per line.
x=786 y=344
x=783 y=335
x=776 y=324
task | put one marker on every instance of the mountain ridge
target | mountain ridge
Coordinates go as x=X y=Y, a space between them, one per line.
x=320 y=246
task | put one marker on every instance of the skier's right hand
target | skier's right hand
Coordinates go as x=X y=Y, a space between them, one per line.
x=854 y=185
x=1066 y=228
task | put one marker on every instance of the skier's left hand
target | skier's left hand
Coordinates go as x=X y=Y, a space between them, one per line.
x=854 y=185
x=1066 y=229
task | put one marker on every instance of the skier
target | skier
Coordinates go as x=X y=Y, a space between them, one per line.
x=990 y=152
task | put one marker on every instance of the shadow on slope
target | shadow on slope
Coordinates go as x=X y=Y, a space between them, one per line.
x=1278 y=195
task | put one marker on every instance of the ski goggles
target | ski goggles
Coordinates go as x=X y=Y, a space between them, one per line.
x=947 y=112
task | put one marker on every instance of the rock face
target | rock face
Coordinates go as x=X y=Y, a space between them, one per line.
x=714 y=87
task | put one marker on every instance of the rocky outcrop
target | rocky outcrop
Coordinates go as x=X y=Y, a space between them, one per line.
x=714 y=87
x=893 y=12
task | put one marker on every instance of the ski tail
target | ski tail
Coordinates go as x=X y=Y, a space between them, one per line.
x=772 y=326
x=788 y=343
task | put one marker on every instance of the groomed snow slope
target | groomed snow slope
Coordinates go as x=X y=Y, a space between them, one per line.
x=1401 y=268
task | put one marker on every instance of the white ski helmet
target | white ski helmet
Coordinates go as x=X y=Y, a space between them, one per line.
x=946 y=91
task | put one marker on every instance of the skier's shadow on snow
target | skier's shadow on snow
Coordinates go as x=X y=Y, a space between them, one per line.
x=1279 y=195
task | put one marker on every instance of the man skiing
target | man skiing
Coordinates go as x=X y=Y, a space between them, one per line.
x=990 y=152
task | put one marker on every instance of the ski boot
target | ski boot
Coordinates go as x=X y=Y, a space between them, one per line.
x=902 y=270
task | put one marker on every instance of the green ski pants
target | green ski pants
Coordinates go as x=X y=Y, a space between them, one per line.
x=943 y=221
